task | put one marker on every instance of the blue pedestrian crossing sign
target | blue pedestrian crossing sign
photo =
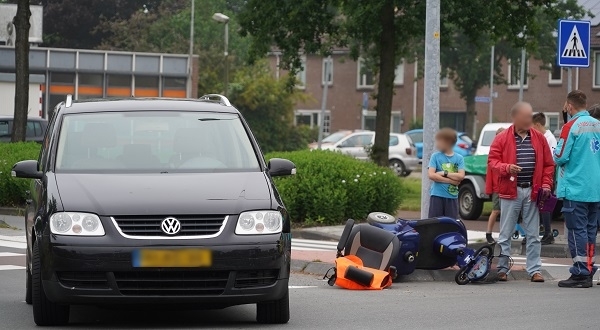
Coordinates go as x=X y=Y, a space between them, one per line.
x=573 y=43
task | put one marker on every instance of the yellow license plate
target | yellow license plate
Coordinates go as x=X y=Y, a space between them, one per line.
x=172 y=258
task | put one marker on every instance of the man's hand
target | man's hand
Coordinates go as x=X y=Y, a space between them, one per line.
x=546 y=193
x=514 y=169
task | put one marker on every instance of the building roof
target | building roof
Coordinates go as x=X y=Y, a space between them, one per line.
x=594 y=7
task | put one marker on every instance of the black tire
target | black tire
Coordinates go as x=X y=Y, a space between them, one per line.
x=516 y=235
x=398 y=167
x=461 y=277
x=555 y=232
x=28 y=299
x=469 y=205
x=45 y=312
x=274 y=312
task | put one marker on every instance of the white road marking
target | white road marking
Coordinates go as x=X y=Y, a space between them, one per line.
x=313 y=245
x=13 y=244
x=10 y=267
x=10 y=254
x=301 y=286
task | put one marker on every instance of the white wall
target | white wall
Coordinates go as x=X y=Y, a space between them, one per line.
x=7 y=99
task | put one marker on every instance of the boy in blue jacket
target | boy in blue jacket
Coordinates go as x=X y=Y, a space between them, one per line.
x=577 y=156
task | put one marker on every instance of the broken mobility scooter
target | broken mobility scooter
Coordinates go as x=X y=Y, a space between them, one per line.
x=375 y=253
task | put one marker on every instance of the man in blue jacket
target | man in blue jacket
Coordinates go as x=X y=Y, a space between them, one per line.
x=577 y=156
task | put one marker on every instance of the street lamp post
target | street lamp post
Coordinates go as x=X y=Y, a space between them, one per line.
x=222 y=18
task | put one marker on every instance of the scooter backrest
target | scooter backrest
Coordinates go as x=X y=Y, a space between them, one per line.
x=376 y=247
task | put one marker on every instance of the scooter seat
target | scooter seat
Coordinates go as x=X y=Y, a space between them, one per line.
x=380 y=218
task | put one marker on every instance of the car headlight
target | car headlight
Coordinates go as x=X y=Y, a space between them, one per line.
x=76 y=224
x=259 y=222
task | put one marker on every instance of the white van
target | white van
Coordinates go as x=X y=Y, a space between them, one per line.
x=488 y=132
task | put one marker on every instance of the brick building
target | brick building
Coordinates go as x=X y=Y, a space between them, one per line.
x=349 y=85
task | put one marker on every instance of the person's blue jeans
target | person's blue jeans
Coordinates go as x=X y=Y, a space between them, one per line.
x=581 y=219
x=510 y=209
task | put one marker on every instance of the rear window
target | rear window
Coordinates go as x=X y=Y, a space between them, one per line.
x=155 y=141
x=467 y=139
x=416 y=137
x=487 y=138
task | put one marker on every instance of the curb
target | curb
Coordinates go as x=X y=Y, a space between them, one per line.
x=419 y=275
x=314 y=235
x=14 y=211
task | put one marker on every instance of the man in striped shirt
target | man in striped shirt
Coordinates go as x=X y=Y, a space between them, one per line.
x=521 y=158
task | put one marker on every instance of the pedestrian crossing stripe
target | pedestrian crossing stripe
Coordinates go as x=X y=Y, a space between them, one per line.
x=574 y=47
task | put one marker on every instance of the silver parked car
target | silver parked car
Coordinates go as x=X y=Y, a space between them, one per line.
x=402 y=152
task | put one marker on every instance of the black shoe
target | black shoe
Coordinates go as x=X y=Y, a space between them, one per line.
x=576 y=281
x=490 y=239
x=547 y=239
x=524 y=241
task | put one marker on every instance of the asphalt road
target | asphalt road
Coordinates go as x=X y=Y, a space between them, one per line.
x=314 y=305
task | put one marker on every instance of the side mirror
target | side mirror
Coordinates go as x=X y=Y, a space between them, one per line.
x=27 y=169
x=281 y=167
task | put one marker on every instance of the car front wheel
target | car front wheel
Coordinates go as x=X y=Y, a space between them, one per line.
x=45 y=312
x=274 y=312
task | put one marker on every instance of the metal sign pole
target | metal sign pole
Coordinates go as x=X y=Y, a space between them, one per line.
x=522 y=75
x=492 y=60
x=431 y=109
x=327 y=65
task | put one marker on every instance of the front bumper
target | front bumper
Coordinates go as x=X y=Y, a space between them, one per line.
x=240 y=274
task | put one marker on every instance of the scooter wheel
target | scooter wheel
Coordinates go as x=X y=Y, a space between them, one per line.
x=555 y=232
x=515 y=235
x=461 y=277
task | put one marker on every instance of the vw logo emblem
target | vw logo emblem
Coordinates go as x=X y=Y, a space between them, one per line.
x=170 y=226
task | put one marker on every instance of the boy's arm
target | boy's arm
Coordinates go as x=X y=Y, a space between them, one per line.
x=434 y=176
x=460 y=175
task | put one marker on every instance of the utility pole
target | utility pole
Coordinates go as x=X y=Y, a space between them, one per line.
x=431 y=91
x=191 y=52
x=22 y=25
x=492 y=67
x=328 y=66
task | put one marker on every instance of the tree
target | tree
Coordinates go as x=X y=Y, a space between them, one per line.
x=268 y=107
x=468 y=60
x=383 y=31
x=22 y=25
x=165 y=28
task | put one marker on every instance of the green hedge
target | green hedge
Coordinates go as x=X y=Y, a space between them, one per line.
x=12 y=190
x=330 y=187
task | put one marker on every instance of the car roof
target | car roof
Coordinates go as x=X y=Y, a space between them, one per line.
x=495 y=126
x=146 y=104
x=28 y=118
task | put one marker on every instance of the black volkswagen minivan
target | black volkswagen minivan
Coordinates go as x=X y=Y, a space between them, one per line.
x=154 y=201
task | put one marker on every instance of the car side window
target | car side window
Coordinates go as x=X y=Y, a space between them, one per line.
x=394 y=140
x=30 y=130
x=45 y=151
x=4 y=131
x=361 y=140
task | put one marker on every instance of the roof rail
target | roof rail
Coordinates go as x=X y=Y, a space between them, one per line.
x=69 y=101
x=222 y=99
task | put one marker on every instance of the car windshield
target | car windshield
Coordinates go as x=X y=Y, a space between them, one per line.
x=488 y=138
x=157 y=141
x=335 y=137
x=416 y=137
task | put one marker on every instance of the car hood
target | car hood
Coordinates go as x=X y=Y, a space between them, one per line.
x=173 y=193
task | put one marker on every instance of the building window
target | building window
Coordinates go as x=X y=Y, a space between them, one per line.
x=454 y=120
x=443 y=78
x=514 y=72
x=91 y=85
x=119 y=85
x=327 y=70
x=596 y=70
x=365 y=78
x=146 y=86
x=369 y=118
x=301 y=74
x=553 y=121
x=399 y=74
x=555 y=75
x=174 y=87
x=312 y=119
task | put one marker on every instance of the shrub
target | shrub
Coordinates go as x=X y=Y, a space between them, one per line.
x=330 y=187
x=12 y=190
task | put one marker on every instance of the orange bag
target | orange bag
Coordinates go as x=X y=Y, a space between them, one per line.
x=351 y=274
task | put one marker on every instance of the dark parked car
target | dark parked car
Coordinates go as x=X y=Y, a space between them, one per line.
x=36 y=128
x=155 y=201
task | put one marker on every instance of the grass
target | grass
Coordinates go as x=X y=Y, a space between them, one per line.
x=412 y=197
x=4 y=225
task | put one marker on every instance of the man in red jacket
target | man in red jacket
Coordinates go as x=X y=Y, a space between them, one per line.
x=523 y=163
